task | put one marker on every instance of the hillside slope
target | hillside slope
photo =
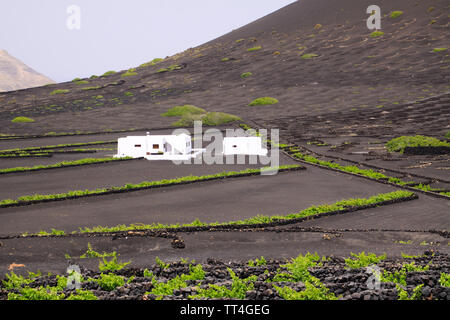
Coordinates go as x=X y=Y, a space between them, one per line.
x=314 y=56
x=15 y=75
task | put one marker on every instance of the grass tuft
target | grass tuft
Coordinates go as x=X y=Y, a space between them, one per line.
x=396 y=14
x=22 y=120
x=264 y=101
x=254 y=49
x=376 y=34
x=180 y=111
x=399 y=144
x=309 y=56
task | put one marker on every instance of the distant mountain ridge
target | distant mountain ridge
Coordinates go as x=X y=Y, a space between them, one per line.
x=15 y=75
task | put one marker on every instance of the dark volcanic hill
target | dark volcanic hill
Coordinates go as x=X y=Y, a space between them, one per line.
x=14 y=74
x=349 y=70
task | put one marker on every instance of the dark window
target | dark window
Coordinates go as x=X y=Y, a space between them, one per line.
x=137 y=146
x=156 y=146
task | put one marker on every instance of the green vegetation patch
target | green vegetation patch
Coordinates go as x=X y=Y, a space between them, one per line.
x=218 y=118
x=58 y=146
x=130 y=187
x=91 y=88
x=399 y=144
x=79 y=82
x=264 y=101
x=22 y=120
x=260 y=219
x=298 y=271
x=257 y=48
x=129 y=73
x=444 y=280
x=362 y=260
x=63 y=164
x=396 y=14
x=440 y=49
x=59 y=91
x=180 y=111
x=238 y=289
x=309 y=56
x=151 y=63
x=108 y=73
x=208 y=119
x=161 y=289
x=246 y=75
x=170 y=68
x=376 y=34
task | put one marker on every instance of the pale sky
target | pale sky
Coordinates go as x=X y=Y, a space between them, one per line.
x=116 y=34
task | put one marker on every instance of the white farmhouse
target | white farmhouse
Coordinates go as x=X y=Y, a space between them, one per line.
x=243 y=146
x=157 y=147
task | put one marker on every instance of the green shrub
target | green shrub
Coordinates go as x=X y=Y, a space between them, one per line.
x=246 y=74
x=225 y=59
x=164 y=289
x=298 y=270
x=82 y=295
x=170 y=68
x=14 y=281
x=208 y=119
x=59 y=91
x=444 y=280
x=180 y=111
x=263 y=101
x=129 y=94
x=254 y=49
x=91 y=88
x=112 y=265
x=376 y=34
x=439 y=49
x=399 y=144
x=108 y=73
x=238 y=290
x=257 y=262
x=188 y=120
x=362 y=260
x=415 y=295
x=129 y=73
x=41 y=293
x=22 y=120
x=151 y=63
x=110 y=281
x=447 y=135
x=91 y=253
x=161 y=263
x=311 y=292
x=395 y=14
x=81 y=82
x=218 y=118
x=309 y=56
